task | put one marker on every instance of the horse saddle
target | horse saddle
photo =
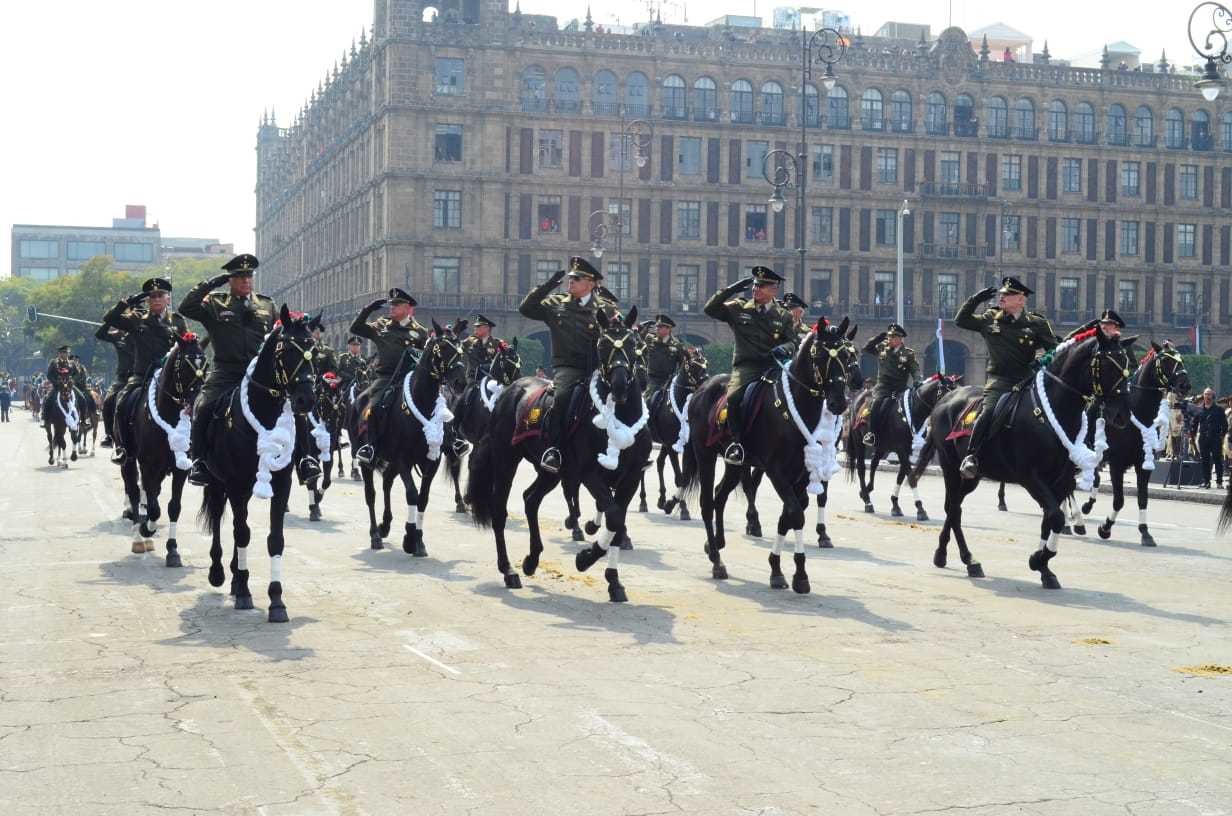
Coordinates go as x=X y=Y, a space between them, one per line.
x=534 y=410
x=751 y=402
x=656 y=400
x=1002 y=415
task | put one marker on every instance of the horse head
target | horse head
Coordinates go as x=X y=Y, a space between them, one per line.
x=506 y=363
x=291 y=360
x=694 y=368
x=619 y=352
x=1098 y=365
x=823 y=366
x=1169 y=368
x=185 y=369
x=443 y=357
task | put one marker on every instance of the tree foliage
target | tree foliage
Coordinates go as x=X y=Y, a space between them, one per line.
x=718 y=357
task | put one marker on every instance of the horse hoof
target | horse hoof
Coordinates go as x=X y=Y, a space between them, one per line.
x=314 y=513
x=895 y=510
x=1050 y=582
x=1104 y=530
x=1080 y=529
x=939 y=558
x=920 y=515
x=578 y=535
x=800 y=584
x=139 y=547
x=587 y=558
x=1087 y=506
x=868 y=508
x=718 y=572
x=147 y=530
x=975 y=570
x=669 y=505
x=778 y=582
x=625 y=542
x=243 y=602
x=127 y=514
x=74 y=456
x=616 y=594
x=512 y=581
x=460 y=507
x=529 y=565
x=642 y=507
x=684 y=514
x=1066 y=530
x=383 y=529
x=824 y=542
x=173 y=560
x=1001 y=506
x=661 y=503
x=216 y=575
x=753 y=529
x=591 y=528
x=278 y=614
x=1148 y=540
x=420 y=550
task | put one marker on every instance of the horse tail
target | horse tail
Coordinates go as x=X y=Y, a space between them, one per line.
x=852 y=444
x=1225 y=513
x=453 y=467
x=479 y=481
x=921 y=462
x=690 y=475
x=212 y=510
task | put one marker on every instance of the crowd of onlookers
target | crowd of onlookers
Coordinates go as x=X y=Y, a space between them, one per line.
x=1200 y=432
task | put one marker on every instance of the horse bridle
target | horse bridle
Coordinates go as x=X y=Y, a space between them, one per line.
x=1166 y=380
x=1097 y=389
x=185 y=390
x=282 y=377
x=619 y=346
x=825 y=378
x=510 y=360
x=440 y=365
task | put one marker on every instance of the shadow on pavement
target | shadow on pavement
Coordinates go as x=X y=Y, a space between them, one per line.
x=395 y=560
x=818 y=605
x=148 y=570
x=213 y=622
x=644 y=623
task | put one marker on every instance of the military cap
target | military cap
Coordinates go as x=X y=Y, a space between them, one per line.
x=354 y=340
x=156 y=285
x=580 y=268
x=764 y=275
x=1109 y=316
x=244 y=264
x=480 y=320
x=665 y=320
x=895 y=330
x=793 y=301
x=62 y=348
x=397 y=295
x=1010 y=285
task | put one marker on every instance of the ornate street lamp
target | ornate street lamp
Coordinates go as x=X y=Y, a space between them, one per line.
x=1209 y=26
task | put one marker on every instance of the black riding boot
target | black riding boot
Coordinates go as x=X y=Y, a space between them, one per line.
x=554 y=425
x=970 y=467
x=734 y=454
x=199 y=475
x=874 y=413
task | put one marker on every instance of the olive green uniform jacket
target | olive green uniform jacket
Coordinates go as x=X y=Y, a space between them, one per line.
x=236 y=327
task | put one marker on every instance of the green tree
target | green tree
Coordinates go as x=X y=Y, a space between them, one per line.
x=17 y=345
x=1201 y=370
x=531 y=351
x=86 y=296
x=718 y=357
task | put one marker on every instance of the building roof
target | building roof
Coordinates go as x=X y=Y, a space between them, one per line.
x=1000 y=32
x=1122 y=47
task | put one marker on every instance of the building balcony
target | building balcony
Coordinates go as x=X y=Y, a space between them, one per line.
x=1118 y=139
x=605 y=108
x=1145 y=141
x=873 y=123
x=900 y=126
x=834 y=122
x=706 y=114
x=948 y=189
x=1059 y=137
x=974 y=253
x=936 y=128
x=1024 y=134
x=772 y=118
x=1083 y=136
x=1203 y=143
x=1178 y=143
x=742 y=117
x=678 y=111
x=968 y=129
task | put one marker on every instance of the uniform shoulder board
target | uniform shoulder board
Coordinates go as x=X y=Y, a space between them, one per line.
x=262 y=297
x=741 y=303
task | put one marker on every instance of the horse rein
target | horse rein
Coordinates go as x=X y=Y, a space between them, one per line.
x=284 y=379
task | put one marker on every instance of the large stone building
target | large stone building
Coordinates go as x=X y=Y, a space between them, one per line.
x=44 y=252
x=463 y=157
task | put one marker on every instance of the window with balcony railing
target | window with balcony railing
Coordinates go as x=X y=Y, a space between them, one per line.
x=742 y=102
x=772 y=111
x=1115 y=130
x=838 y=113
x=1144 y=127
x=996 y=118
x=1174 y=130
x=811 y=107
x=1058 y=121
x=1082 y=124
x=674 y=105
x=935 y=115
x=871 y=113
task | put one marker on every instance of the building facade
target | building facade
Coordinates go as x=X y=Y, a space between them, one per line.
x=464 y=158
x=45 y=252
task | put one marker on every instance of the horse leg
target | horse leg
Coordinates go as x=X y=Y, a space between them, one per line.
x=387 y=484
x=412 y=538
x=178 y=477
x=664 y=452
x=1001 y=498
x=426 y=474
x=642 y=507
x=455 y=474
x=705 y=479
x=866 y=493
x=750 y=479
x=823 y=538
x=275 y=544
x=532 y=497
x=608 y=540
x=1050 y=529
x=956 y=490
x=374 y=530
x=790 y=520
x=51 y=446
x=500 y=483
x=132 y=490
x=239 y=557
x=1144 y=479
x=904 y=472
x=215 y=502
x=1117 y=475
x=150 y=488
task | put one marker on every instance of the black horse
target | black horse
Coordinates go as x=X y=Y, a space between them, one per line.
x=66 y=411
x=899 y=429
x=1045 y=444
x=1161 y=371
x=351 y=419
x=248 y=450
x=667 y=408
x=412 y=434
x=606 y=449
x=159 y=424
x=319 y=435
x=792 y=439
x=473 y=408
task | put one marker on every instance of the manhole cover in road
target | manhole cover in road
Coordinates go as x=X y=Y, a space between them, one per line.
x=1206 y=670
x=1093 y=641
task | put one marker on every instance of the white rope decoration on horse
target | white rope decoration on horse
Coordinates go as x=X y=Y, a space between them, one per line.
x=619 y=435
x=489 y=390
x=682 y=415
x=820 y=453
x=320 y=435
x=71 y=420
x=274 y=445
x=1085 y=459
x=917 y=434
x=177 y=436
x=433 y=426
x=1153 y=435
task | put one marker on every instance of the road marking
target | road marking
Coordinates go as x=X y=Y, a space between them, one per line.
x=429 y=658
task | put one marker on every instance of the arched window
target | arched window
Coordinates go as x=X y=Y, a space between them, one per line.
x=1084 y=123
x=965 y=123
x=674 y=106
x=1200 y=133
x=1116 y=127
x=742 y=101
x=1174 y=129
x=605 y=94
x=935 y=116
x=900 y=112
x=1023 y=124
x=568 y=91
x=534 y=89
x=871 y=110
x=772 y=104
x=1058 y=121
x=637 y=94
x=1144 y=127
x=812 y=111
x=996 y=117
x=838 y=112
x=1226 y=127
x=705 y=100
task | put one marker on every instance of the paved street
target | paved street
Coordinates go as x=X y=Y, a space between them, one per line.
x=423 y=686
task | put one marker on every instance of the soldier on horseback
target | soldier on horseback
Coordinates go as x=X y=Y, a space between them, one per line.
x=152 y=333
x=1012 y=335
x=759 y=325
x=351 y=363
x=795 y=306
x=571 y=320
x=237 y=321
x=664 y=353
x=897 y=366
x=480 y=348
x=325 y=356
x=392 y=336
x=124 y=370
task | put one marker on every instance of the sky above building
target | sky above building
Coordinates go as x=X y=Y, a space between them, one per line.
x=157 y=103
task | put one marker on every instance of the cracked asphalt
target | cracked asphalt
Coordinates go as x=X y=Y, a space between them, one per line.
x=423 y=686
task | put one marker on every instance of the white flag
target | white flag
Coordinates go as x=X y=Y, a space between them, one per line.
x=940 y=347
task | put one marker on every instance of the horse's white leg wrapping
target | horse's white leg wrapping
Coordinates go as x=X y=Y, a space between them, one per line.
x=779 y=541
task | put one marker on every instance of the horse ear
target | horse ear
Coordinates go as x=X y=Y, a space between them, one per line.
x=851 y=335
x=842 y=327
x=1156 y=347
x=1127 y=342
x=631 y=320
x=284 y=314
x=437 y=328
x=601 y=319
x=460 y=325
x=514 y=344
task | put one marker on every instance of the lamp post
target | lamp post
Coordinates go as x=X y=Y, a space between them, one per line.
x=827 y=46
x=903 y=211
x=641 y=133
x=1210 y=23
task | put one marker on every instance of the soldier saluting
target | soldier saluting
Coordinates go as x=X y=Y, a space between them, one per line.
x=480 y=348
x=897 y=366
x=392 y=336
x=124 y=370
x=759 y=325
x=1012 y=335
x=237 y=321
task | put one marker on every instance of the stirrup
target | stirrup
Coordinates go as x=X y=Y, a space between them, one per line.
x=550 y=460
x=309 y=469
x=734 y=455
x=870 y=439
x=364 y=454
x=198 y=475
x=461 y=447
x=970 y=467
x=118 y=456
x=106 y=442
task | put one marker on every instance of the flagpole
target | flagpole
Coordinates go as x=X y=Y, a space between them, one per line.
x=940 y=347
